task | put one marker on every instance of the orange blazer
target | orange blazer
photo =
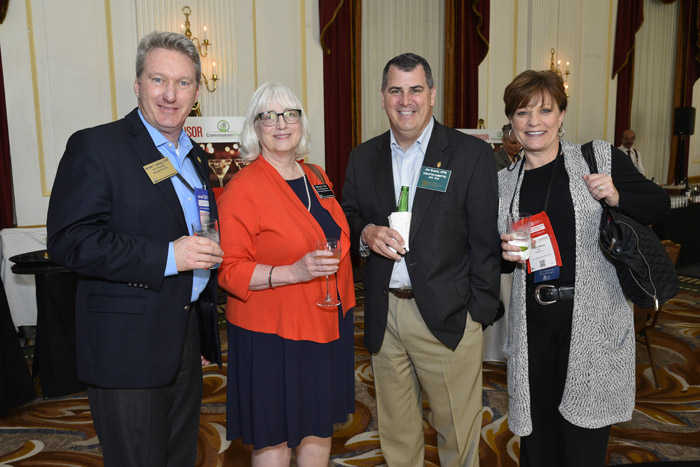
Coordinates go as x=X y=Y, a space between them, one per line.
x=262 y=221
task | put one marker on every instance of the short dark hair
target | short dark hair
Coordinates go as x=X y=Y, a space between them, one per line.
x=408 y=62
x=530 y=84
x=171 y=41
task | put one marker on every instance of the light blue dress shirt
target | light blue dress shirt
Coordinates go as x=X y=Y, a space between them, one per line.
x=188 y=201
x=406 y=167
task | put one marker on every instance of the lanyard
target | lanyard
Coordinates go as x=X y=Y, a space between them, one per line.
x=549 y=186
x=196 y=172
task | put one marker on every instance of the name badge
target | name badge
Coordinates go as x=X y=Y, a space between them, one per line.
x=202 y=196
x=160 y=170
x=324 y=191
x=435 y=179
x=545 y=259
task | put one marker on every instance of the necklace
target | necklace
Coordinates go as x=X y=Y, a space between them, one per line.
x=306 y=185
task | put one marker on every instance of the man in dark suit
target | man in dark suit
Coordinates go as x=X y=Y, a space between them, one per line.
x=424 y=307
x=121 y=212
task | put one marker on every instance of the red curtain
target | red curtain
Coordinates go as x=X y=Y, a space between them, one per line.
x=340 y=35
x=687 y=73
x=630 y=16
x=6 y=205
x=466 y=46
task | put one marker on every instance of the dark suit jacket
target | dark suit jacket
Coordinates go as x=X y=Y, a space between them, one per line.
x=454 y=257
x=109 y=223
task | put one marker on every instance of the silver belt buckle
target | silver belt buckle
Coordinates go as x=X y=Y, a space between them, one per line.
x=537 y=294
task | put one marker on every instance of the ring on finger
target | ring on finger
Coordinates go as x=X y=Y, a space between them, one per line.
x=600 y=188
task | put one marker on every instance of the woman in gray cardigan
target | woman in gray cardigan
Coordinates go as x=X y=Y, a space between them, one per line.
x=570 y=344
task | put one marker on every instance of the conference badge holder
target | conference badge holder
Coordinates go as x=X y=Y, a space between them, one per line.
x=545 y=259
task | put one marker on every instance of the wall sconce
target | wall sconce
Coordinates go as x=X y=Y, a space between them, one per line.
x=202 y=47
x=557 y=69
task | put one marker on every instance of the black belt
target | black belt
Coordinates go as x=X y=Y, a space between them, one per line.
x=404 y=292
x=546 y=294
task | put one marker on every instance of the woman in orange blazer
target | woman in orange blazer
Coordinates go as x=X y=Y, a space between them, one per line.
x=290 y=365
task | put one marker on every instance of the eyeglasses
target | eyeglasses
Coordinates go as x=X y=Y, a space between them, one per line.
x=270 y=117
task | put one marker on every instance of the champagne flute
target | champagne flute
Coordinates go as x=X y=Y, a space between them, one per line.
x=332 y=245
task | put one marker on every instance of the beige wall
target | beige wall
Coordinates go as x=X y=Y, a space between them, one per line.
x=81 y=70
x=70 y=66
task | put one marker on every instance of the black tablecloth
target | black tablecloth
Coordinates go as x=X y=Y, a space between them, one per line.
x=683 y=227
x=16 y=385
x=54 y=354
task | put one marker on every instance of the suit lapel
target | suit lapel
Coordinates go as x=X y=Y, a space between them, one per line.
x=434 y=154
x=383 y=174
x=146 y=151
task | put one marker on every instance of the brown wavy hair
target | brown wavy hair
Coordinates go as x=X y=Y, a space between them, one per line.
x=528 y=85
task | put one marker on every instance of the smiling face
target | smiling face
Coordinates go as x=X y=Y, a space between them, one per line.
x=536 y=126
x=281 y=139
x=408 y=102
x=167 y=89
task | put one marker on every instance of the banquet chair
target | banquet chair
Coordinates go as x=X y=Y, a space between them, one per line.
x=646 y=318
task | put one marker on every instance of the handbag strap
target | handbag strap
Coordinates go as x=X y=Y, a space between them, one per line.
x=589 y=157
x=316 y=172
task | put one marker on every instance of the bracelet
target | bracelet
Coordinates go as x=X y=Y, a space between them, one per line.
x=269 y=277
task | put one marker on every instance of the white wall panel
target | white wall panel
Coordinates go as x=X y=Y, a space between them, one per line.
x=694 y=156
x=652 y=102
x=390 y=28
x=219 y=17
x=47 y=99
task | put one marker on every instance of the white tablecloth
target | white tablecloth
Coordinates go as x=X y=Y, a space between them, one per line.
x=20 y=288
x=495 y=336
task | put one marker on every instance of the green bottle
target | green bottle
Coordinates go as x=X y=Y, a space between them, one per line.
x=403 y=200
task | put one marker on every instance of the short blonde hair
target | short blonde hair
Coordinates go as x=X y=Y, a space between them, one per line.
x=263 y=97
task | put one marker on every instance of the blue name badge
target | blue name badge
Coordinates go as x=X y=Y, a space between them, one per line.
x=202 y=204
x=544 y=275
x=432 y=178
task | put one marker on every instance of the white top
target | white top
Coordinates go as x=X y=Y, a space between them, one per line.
x=635 y=156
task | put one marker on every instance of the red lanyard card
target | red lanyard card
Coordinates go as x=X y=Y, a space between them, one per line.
x=545 y=254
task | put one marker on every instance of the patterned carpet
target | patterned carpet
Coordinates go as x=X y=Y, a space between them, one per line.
x=665 y=425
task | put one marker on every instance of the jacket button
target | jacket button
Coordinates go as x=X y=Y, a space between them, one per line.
x=385 y=292
x=187 y=307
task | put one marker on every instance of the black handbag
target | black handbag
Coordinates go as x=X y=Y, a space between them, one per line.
x=645 y=271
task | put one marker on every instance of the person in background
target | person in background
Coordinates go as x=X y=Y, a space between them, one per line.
x=628 y=139
x=509 y=152
x=571 y=347
x=291 y=362
x=120 y=215
x=424 y=307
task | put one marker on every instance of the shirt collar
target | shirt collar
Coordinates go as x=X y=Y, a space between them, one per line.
x=422 y=140
x=184 y=143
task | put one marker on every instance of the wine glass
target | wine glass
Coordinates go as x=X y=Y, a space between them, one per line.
x=220 y=167
x=332 y=245
x=518 y=225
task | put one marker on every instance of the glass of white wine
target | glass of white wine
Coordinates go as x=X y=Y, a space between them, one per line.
x=518 y=225
x=332 y=245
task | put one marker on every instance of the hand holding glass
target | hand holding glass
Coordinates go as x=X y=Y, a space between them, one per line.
x=208 y=230
x=518 y=225
x=332 y=245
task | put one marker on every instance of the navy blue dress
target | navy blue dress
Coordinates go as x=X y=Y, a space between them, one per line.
x=281 y=390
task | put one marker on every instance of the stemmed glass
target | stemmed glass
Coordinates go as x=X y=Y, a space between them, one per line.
x=332 y=245
x=220 y=167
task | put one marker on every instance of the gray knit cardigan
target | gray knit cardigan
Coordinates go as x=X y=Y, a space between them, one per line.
x=600 y=382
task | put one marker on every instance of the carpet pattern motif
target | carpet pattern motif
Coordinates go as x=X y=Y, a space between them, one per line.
x=665 y=424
